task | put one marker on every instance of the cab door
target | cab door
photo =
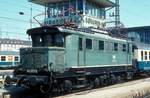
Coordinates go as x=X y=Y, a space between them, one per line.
x=81 y=52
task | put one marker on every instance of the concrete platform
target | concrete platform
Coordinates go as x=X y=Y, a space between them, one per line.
x=134 y=89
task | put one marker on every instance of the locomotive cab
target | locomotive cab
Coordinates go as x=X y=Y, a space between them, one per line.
x=39 y=62
x=47 y=52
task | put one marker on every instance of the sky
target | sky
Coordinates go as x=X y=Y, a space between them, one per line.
x=133 y=13
x=14 y=25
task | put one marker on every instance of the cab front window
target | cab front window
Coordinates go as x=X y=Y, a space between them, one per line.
x=48 y=40
x=59 y=40
x=37 y=40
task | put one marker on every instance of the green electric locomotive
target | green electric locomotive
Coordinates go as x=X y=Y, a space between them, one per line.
x=69 y=58
x=72 y=50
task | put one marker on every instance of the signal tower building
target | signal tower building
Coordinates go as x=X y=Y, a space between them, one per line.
x=78 y=13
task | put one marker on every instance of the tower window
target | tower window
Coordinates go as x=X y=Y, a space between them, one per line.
x=80 y=5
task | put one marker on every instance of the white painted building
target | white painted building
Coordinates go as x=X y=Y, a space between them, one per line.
x=13 y=44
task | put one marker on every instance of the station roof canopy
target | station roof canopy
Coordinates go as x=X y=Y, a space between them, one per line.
x=102 y=3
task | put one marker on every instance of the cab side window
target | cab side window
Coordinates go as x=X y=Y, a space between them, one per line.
x=115 y=46
x=124 y=47
x=88 y=43
x=80 y=44
x=101 y=45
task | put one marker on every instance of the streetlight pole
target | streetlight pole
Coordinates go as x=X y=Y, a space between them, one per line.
x=31 y=16
x=0 y=33
x=30 y=20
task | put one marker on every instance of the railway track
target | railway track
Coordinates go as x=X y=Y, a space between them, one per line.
x=89 y=90
x=110 y=86
x=129 y=83
x=137 y=79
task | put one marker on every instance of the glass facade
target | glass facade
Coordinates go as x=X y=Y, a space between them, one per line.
x=64 y=8
x=80 y=5
x=140 y=36
x=72 y=6
x=94 y=10
x=134 y=36
x=80 y=13
x=55 y=10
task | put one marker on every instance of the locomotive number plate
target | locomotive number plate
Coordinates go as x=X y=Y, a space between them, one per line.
x=32 y=71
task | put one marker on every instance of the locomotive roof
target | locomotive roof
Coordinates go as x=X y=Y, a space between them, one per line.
x=102 y=3
x=44 y=29
x=47 y=29
x=101 y=34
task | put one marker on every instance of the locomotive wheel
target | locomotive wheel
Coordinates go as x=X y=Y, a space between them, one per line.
x=20 y=81
x=7 y=81
x=102 y=80
x=67 y=86
x=129 y=75
x=91 y=83
x=97 y=82
x=45 y=88
x=113 y=79
x=119 y=79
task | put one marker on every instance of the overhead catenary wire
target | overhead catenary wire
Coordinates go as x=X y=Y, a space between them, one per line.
x=11 y=15
x=10 y=34
x=21 y=6
x=17 y=20
x=15 y=28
